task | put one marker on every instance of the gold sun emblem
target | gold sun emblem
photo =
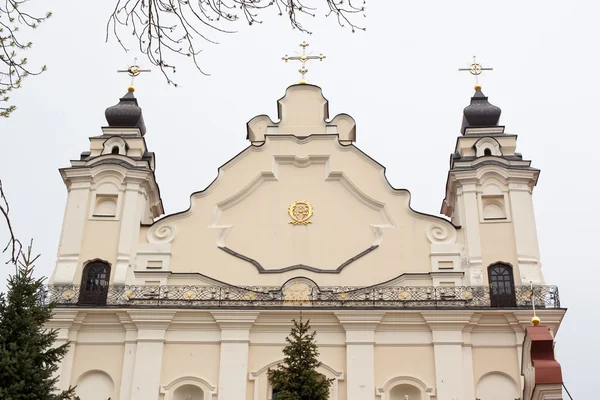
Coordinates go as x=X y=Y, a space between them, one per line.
x=300 y=212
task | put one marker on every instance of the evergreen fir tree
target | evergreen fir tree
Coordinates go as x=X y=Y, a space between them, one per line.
x=28 y=359
x=297 y=378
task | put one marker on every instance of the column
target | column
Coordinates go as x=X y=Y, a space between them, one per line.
x=235 y=338
x=151 y=329
x=360 y=352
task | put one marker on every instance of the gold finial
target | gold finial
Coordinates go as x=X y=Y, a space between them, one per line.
x=535 y=321
x=476 y=69
x=133 y=71
x=303 y=58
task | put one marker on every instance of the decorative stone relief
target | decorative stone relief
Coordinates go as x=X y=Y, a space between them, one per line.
x=438 y=233
x=476 y=275
x=161 y=233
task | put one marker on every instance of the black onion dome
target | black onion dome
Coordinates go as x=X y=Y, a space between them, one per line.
x=126 y=114
x=480 y=113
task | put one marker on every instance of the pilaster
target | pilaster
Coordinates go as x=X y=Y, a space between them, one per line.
x=130 y=225
x=526 y=240
x=467 y=192
x=233 y=367
x=447 y=338
x=67 y=322
x=75 y=217
x=128 y=355
x=151 y=329
x=360 y=352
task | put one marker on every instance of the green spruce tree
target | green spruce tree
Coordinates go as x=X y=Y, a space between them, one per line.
x=297 y=378
x=28 y=359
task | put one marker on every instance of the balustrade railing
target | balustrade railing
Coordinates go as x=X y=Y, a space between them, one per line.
x=197 y=296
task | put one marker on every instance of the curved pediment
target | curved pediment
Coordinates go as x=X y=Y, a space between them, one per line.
x=361 y=231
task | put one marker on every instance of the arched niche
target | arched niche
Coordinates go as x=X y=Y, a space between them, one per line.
x=406 y=391
x=262 y=387
x=397 y=388
x=188 y=392
x=497 y=386
x=183 y=387
x=95 y=385
x=105 y=201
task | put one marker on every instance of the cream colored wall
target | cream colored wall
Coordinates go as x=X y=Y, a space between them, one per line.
x=190 y=359
x=494 y=359
x=245 y=210
x=498 y=244
x=100 y=239
x=401 y=360
x=103 y=357
x=404 y=346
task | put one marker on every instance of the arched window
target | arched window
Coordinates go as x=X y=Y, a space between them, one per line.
x=94 y=283
x=115 y=150
x=502 y=285
x=487 y=152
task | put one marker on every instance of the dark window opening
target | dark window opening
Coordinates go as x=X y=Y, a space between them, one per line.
x=502 y=285
x=94 y=283
x=487 y=152
x=115 y=150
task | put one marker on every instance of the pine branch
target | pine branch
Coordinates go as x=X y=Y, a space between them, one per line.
x=297 y=378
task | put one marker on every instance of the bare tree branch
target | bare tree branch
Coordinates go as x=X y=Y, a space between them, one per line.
x=13 y=67
x=13 y=244
x=165 y=28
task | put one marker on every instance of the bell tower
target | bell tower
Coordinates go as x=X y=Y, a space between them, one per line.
x=112 y=190
x=489 y=194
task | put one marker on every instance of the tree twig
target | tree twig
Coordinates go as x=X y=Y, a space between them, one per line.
x=13 y=67
x=165 y=28
x=13 y=244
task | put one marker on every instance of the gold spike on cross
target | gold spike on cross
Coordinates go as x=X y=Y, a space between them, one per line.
x=476 y=69
x=303 y=58
x=133 y=71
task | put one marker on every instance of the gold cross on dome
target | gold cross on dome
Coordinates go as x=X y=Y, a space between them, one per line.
x=303 y=58
x=133 y=71
x=476 y=69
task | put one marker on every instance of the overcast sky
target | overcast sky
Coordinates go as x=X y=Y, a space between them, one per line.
x=398 y=80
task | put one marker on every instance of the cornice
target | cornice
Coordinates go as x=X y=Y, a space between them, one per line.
x=235 y=318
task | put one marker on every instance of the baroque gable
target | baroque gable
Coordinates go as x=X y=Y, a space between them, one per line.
x=362 y=231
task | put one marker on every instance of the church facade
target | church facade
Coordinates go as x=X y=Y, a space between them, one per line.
x=196 y=305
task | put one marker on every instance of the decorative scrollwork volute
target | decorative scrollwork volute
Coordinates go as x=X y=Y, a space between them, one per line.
x=441 y=234
x=161 y=234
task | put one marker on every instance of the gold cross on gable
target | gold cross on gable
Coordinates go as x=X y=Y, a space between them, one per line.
x=133 y=71
x=476 y=69
x=303 y=58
